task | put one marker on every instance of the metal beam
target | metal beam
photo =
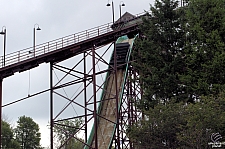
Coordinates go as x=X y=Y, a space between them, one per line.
x=95 y=99
x=51 y=105
x=1 y=80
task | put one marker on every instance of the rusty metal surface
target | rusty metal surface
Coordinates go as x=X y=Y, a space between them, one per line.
x=105 y=116
x=65 y=47
x=109 y=113
x=61 y=49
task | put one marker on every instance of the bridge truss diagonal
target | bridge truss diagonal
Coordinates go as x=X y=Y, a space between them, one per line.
x=90 y=77
x=95 y=99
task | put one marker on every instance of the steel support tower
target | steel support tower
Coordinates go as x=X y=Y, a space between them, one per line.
x=87 y=77
x=92 y=80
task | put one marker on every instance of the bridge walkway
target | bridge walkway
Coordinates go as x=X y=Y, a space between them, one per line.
x=62 y=48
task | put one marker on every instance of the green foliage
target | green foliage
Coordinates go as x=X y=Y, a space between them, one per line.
x=7 y=133
x=178 y=125
x=181 y=59
x=27 y=133
x=158 y=55
x=66 y=132
x=202 y=119
x=8 y=140
x=204 y=51
x=158 y=129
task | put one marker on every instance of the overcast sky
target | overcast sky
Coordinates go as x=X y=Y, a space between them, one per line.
x=56 y=18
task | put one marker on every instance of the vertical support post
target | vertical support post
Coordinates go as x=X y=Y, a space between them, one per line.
x=48 y=46
x=18 y=56
x=95 y=101
x=117 y=99
x=131 y=103
x=34 y=42
x=129 y=96
x=86 y=34
x=74 y=36
x=1 y=80
x=121 y=128
x=85 y=97
x=51 y=105
x=62 y=42
x=129 y=92
x=120 y=12
x=4 y=44
x=113 y=12
x=35 y=36
x=135 y=94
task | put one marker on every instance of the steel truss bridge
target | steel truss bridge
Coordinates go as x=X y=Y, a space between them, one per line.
x=109 y=106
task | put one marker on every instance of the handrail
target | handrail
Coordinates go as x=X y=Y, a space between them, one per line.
x=53 y=45
x=56 y=44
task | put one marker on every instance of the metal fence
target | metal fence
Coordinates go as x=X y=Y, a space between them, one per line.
x=53 y=45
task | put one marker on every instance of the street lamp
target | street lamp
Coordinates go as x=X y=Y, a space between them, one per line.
x=3 y=32
x=112 y=9
x=38 y=28
x=121 y=5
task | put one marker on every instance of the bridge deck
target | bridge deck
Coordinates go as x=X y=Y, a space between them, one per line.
x=62 y=48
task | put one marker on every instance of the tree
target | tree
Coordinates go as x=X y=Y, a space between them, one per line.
x=65 y=131
x=27 y=133
x=175 y=125
x=158 y=56
x=187 y=67
x=160 y=127
x=158 y=53
x=8 y=140
x=202 y=119
x=204 y=51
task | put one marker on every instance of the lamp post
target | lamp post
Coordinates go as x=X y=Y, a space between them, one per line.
x=112 y=9
x=3 y=32
x=38 y=28
x=121 y=5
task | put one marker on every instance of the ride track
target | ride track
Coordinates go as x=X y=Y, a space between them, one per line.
x=117 y=82
x=107 y=107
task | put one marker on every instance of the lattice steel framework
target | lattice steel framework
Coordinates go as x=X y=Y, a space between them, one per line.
x=56 y=52
x=90 y=74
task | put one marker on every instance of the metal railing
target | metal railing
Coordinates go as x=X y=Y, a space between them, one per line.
x=53 y=45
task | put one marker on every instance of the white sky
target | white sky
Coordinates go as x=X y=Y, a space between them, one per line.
x=56 y=18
